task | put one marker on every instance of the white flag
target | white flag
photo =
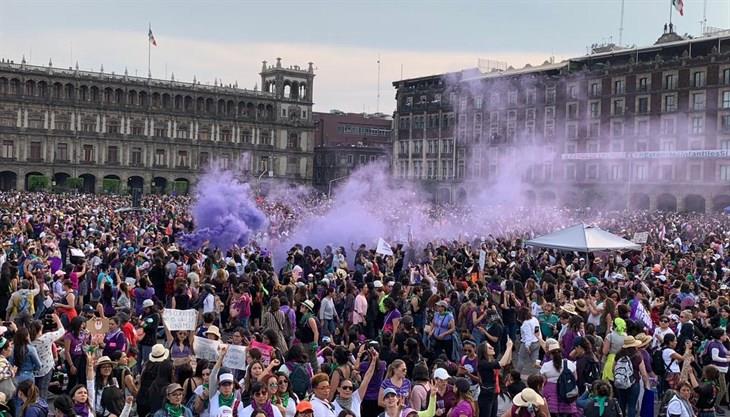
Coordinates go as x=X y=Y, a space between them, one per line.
x=384 y=248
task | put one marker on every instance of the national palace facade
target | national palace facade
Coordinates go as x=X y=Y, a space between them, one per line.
x=97 y=130
x=645 y=127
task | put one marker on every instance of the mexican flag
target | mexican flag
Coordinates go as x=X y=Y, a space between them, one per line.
x=679 y=5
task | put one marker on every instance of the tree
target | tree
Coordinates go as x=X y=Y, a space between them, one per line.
x=38 y=182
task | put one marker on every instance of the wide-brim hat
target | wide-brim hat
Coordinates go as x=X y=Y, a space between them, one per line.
x=551 y=345
x=214 y=331
x=104 y=360
x=159 y=353
x=630 y=341
x=569 y=308
x=644 y=338
x=528 y=396
x=580 y=305
x=309 y=304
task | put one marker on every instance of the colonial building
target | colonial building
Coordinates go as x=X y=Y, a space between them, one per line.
x=150 y=134
x=645 y=127
x=346 y=141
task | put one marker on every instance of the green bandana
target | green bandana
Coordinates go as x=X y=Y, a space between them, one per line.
x=601 y=402
x=174 y=410
x=228 y=402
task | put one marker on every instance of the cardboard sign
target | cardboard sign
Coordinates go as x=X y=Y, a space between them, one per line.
x=97 y=326
x=235 y=357
x=384 y=248
x=640 y=237
x=206 y=349
x=180 y=319
x=266 y=351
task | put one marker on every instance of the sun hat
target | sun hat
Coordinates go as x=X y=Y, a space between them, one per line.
x=304 y=406
x=528 y=396
x=442 y=303
x=644 y=338
x=172 y=388
x=214 y=331
x=630 y=341
x=159 y=353
x=441 y=373
x=551 y=345
x=580 y=305
x=309 y=304
x=104 y=360
x=569 y=308
x=147 y=303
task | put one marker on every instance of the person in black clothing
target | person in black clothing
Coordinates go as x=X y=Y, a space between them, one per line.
x=686 y=330
x=150 y=322
x=488 y=369
x=515 y=384
x=157 y=277
x=707 y=390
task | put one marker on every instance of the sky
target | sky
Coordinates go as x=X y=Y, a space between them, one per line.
x=227 y=40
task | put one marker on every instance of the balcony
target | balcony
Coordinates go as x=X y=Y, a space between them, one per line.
x=112 y=163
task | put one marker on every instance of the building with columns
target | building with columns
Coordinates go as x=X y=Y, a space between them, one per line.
x=646 y=128
x=150 y=134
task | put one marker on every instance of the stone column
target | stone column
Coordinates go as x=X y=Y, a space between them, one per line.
x=45 y=120
x=103 y=124
x=98 y=124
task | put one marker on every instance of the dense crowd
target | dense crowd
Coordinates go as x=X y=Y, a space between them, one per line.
x=347 y=331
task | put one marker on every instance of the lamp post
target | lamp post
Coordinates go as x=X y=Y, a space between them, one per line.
x=329 y=188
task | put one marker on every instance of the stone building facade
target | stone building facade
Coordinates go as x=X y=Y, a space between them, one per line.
x=150 y=134
x=347 y=141
x=645 y=127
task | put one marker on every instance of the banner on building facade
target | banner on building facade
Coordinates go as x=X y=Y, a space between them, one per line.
x=695 y=154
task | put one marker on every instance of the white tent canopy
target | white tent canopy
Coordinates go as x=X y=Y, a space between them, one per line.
x=583 y=238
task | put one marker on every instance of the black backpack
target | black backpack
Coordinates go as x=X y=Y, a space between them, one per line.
x=300 y=380
x=591 y=372
x=567 y=385
x=657 y=363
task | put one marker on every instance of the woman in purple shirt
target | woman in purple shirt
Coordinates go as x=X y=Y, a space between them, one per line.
x=114 y=340
x=575 y=329
x=370 y=405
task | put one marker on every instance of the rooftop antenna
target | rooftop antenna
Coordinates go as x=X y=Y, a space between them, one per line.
x=401 y=72
x=703 y=22
x=621 y=27
x=377 y=106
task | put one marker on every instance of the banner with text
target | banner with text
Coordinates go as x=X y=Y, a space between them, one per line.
x=180 y=319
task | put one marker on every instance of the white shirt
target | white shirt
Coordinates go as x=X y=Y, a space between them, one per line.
x=249 y=410
x=321 y=408
x=551 y=374
x=659 y=335
x=527 y=331
x=667 y=356
x=356 y=401
x=676 y=407
x=45 y=354
x=209 y=304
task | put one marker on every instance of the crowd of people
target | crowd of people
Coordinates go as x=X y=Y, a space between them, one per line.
x=348 y=331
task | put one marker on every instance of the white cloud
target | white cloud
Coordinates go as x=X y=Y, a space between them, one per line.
x=346 y=77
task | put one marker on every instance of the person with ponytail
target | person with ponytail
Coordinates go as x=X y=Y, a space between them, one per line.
x=601 y=402
x=32 y=404
x=551 y=370
x=465 y=406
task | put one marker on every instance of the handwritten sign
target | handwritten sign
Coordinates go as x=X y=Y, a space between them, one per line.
x=180 y=319
x=266 y=351
x=482 y=259
x=235 y=357
x=97 y=326
x=205 y=348
x=640 y=237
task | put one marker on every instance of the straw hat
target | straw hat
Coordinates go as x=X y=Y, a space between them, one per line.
x=159 y=353
x=104 y=360
x=551 y=345
x=528 y=396
x=630 y=341
x=309 y=304
x=214 y=331
x=569 y=308
x=644 y=338
x=580 y=305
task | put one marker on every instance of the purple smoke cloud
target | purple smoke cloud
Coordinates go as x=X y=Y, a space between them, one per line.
x=224 y=213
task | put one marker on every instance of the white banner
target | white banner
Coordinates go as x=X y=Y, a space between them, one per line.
x=482 y=259
x=205 y=348
x=384 y=248
x=640 y=237
x=180 y=319
x=688 y=154
x=235 y=357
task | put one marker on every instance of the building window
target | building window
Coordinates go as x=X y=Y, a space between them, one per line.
x=595 y=109
x=160 y=157
x=182 y=159
x=726 y=99
x=160 y=132
x=417 y=169
x=641 y=172
x=572 y=110
x=512 y=98
x=667 y=146
x=570 y=172
x=182 y=132
x=409 y=101
x=615 y=172
x=478 y=102
x=698 y=101
x=643 y=105
x=432 y=147
x=8 y=149
x=417 y=147
x=573 y=91
x=698 y=125
x=204 y=160
x=725 y=173
x=643 y=84
x=226 y=135
x=666 y=173
x=726 y=76
x=418 y=122
x=549 y=128
x=698 y=79
x=642 y=127
x=594 y=129
x=617 y=128
x=245 y=136
x=695 y=172
x=112 y=155
x=462 y=104
x=35 y=151
x=137 y=130
x=35 y=122
x=136 y=157
x=88 y=126
x=619 y=87
x=530 y=97
x=670 y=82
x=550 y=96
x=446 y=146
x=670 y=103
x=293 y=141
x=572 y=131
x=668 y=126
x=112 y=127
x=592 y=172
x=595 y=88
x=225 y=161
x=87 y=153
x=618 y=107
x=725 y=123
x=431 y=169
x=62 y=152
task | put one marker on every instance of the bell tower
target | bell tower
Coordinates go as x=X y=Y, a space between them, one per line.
x=288 y=83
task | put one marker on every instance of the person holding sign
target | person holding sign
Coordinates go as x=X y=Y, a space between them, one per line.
x=180 y=343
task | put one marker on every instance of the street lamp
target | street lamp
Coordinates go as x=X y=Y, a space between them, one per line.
x=329 y=189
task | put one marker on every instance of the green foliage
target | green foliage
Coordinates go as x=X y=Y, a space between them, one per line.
x=38 y=182
x=180 y=187
x=111 y=186
x=74 y=183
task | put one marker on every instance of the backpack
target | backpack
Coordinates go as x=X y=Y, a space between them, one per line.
x=180 y=272
x=299 y=380
x=623 y=373
x=706 y=356
x=590 y=373
x=657 y=363
x=567 y=385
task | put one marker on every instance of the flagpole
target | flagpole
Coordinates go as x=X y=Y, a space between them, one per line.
x=671 y=5
x=149 y=51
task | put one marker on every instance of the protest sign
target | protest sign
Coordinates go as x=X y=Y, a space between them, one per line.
x=205 y=348
x=97 y=326
x=384 y=248
x=266 y=351
x=482 y=259
x=640 y=237
x=180 y=319
x=235 y=357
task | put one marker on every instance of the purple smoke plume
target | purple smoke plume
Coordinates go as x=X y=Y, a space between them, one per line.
x=224 y=213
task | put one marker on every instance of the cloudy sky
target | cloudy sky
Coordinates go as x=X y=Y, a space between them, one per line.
x=228 y=40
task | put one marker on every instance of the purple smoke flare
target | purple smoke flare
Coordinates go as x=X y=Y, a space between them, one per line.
x=224 y=213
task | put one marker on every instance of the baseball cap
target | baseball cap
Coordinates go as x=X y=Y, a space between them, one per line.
x=441 y=373
x=389 y=391
x=227 y=377
x=304 y=406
